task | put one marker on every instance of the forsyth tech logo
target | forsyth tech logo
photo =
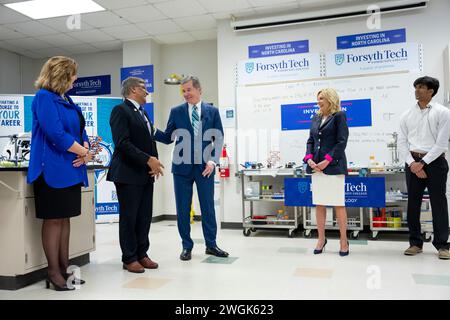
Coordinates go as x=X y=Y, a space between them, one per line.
x=339 y=58
x=302 y=186
x=249 y=66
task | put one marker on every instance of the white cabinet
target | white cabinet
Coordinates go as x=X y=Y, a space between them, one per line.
x=20 y=231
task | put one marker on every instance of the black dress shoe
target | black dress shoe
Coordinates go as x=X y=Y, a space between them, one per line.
x=185 y=255
x=216 y=251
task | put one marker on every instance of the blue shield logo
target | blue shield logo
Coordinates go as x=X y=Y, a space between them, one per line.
x=249 y=66
x=339 y=58
x=302 y=186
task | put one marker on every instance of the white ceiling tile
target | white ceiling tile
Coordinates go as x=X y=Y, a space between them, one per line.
x=156 y=1
x=118 y=4
x=103 y=19
x=140 y=14
x=241 y=13
x=216 y=6
x=282 y=7
x=61 y=24
x=160 y=27
x=197 y=22
x=204 y=34
x=108 y=45
x=32 y=28
x=180 y=8
x=6 y=34
x=173 y=38
x=91 y=35
x=10 y=47
x=126 y=32
x=8 y=15
x=50 y=52
x=59 y=40
x=29 y=43
x=80 y=48
x=269 y=3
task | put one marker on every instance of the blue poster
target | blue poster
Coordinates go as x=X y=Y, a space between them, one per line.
x=278 y=49
x=298 y=116
x=371 y=39
x=360 y=192
x=144 y=72
x=91 y=86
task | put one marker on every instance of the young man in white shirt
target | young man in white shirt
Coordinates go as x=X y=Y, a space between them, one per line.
x=423 y=141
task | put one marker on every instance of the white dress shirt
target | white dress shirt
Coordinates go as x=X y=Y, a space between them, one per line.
x=199 y=110
x=137 y=106
x=424 y=131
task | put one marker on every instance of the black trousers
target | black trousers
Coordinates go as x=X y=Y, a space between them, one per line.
x=136 y=210
x=436 y=182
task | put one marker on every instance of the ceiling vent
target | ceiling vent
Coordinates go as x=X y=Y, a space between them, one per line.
x=326 y=14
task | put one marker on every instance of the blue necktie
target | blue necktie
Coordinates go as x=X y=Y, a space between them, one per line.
x=195 y=119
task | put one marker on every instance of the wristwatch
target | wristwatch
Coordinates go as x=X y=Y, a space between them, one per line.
x=423 y=162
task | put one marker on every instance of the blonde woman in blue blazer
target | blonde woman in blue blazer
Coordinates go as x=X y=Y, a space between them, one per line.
x=57 y=169
x=325 y=154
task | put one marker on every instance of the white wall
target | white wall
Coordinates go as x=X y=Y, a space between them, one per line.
x=429 y=27
x=200 y=59
x=102 y=63
x=10 y=74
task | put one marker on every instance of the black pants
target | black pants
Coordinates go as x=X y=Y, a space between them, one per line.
x=436 y=182
x=135 y=204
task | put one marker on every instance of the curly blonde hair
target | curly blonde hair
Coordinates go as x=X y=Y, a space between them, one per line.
x=332 y=97
x=56 y=74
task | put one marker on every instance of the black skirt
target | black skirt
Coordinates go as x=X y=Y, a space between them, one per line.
x=56 y=203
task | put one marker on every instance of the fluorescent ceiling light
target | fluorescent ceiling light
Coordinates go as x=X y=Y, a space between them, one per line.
x=41 y=9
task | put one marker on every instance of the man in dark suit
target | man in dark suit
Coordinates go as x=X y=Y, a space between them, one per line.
x=134 y=167
x=197 y=129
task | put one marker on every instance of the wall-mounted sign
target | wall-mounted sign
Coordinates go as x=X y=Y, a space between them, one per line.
x=278 y=49
x=91 y=86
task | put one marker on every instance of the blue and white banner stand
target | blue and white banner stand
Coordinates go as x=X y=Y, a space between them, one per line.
x=96 y=112
x=12 y=117
x=371 y=39
x=279 y=68
x=377 y=59
x=361 y=192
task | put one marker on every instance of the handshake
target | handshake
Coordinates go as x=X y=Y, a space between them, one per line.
x=156 y=167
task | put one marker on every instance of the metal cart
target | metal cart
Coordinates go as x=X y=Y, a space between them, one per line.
x=249 y=222
x=354 y=224
x=396 y=221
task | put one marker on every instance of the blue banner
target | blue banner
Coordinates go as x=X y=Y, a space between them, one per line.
x=298 y=116
x=144 y=72
x=361 y=192
x=278 y=49
x=371 y=39
x=91 y=86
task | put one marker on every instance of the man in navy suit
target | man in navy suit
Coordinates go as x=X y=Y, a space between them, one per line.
x=197 y=129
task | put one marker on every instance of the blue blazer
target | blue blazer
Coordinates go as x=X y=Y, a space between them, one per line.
x=328 y=139
x=179 y=119
x=56 y=126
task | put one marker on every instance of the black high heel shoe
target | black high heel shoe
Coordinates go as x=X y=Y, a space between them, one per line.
x=74 y=280
x=317 y=251
x=345 y=253
x=48 y=281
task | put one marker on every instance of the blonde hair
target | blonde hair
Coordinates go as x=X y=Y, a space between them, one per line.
x=332 y=97
x=56 y=74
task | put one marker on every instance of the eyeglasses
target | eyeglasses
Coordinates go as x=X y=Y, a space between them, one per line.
x=143 y=88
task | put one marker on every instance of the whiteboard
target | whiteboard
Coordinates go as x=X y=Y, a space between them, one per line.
x=259 y=117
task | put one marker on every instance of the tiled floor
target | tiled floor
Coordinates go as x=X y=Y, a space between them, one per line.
x=267 y=265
